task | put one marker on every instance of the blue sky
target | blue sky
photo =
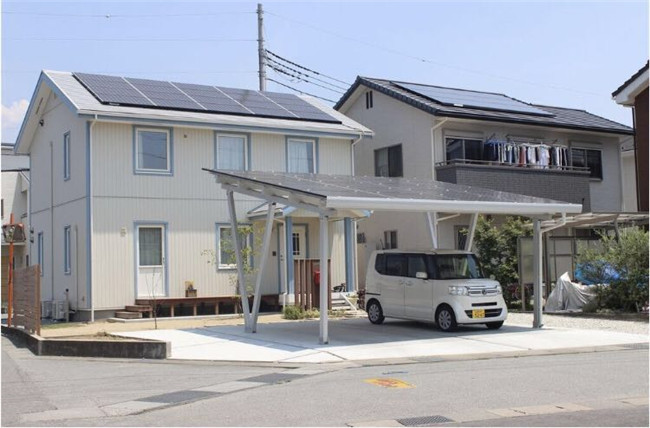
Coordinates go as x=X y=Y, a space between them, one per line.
x=571 y=54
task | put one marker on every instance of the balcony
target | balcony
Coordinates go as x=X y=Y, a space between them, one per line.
x=561 y=183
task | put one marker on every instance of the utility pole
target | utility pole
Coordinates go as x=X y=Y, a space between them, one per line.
x=260 y=47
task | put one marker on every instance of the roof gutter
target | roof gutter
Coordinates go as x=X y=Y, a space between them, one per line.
x=465 y=207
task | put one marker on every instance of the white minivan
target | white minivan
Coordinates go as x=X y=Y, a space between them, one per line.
x=443 y=286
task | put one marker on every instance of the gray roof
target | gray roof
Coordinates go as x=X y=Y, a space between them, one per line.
x=339 y=192
x=631 y=79
x=562 y=117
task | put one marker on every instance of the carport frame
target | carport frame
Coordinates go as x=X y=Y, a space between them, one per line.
x=328 y=205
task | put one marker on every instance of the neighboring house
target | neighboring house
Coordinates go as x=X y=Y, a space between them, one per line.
x=120 y=205
x=15 y=199
x=479 y=139
x=634 y=93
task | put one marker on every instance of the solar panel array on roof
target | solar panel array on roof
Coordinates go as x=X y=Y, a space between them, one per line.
x=464 y=98
x=132 y=92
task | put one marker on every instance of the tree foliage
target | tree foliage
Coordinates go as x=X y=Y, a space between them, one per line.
x=497 y=250
x=628 y=257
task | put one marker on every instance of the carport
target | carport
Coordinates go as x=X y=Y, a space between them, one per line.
x=335 y=197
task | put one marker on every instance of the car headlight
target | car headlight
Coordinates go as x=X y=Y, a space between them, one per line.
x=458 y=290
x=499 y=289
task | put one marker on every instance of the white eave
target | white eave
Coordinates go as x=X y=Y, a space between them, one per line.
x=627 y=95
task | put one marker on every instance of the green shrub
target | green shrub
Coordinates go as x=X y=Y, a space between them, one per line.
x=297 y=313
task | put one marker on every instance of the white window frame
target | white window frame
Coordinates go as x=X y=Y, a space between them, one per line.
x=216 y=148
x=224 y=266
x=67 y=265
x=66 y=156
x=138 y=168
x=314 y=154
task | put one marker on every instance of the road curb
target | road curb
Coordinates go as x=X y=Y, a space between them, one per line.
x=147 y=349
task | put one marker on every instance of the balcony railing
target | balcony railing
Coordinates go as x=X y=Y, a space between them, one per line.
x=496 y=164
x=561 y=183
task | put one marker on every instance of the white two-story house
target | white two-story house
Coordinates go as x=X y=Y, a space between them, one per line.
x=480 y=139
x=120 y=205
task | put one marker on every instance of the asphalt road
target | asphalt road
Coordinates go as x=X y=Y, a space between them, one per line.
x=586 y=389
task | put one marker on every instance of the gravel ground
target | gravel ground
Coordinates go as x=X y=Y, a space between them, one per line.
x=582 y=322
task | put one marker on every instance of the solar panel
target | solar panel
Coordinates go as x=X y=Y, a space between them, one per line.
x=112 y=89
x=465 y=98
x=164 y=94
x=298 y=106
x=211 y=98
x=201 y=98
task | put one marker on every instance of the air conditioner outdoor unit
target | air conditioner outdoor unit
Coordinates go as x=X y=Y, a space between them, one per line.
x=46 y=309
x=59 y=309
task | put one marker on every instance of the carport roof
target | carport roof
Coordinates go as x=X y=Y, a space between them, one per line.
x=338 y=195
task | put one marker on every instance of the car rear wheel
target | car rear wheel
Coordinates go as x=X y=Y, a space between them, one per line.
x=494 y=325
x=446 y=319
x=375 y=313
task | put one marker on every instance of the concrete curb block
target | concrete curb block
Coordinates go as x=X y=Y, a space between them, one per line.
x=147 y=349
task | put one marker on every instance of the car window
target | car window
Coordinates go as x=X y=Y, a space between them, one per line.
x=457 y=266
x=380 y=264
x=396 y=265
x=416 y=264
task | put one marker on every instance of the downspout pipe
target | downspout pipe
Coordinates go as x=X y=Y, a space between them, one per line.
x=433 y=157
x=91 y=217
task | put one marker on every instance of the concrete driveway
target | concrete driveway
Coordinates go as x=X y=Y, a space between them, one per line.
x=358 y=340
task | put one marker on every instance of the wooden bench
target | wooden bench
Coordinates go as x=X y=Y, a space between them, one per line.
x=194 y=302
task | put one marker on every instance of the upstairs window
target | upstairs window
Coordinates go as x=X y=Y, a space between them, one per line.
x=231 y=152
x=587 y=158
x=368 y=99
x=464 y=148
x=153 y=151
x=388 y=162
x=301 y=156
x=66 y=156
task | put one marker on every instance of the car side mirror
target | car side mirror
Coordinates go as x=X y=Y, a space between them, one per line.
x=421 y=275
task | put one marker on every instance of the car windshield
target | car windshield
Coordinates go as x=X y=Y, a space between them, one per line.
x=458 y=266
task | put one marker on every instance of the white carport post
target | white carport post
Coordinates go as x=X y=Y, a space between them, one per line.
x=470 y=233
x=266 y=243
x=432 y=222
x=323 y=337
x=238 y=258
x=537 y=273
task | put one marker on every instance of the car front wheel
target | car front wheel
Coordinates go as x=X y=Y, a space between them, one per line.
x=446 y=319
x=375 y=313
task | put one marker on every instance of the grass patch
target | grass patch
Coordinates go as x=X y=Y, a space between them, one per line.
x=58 y=325
x=298 y=313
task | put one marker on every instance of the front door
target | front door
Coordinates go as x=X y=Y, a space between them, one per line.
x=299 y=241
x=150 y=254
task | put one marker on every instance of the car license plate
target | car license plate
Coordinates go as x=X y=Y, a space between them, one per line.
x=478 y=313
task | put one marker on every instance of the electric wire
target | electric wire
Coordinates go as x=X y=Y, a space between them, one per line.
x=129 y=40
x=304 y=74
x=298 y=90
x=109 y=15
x=429 y=61
x=279 y=70
x=305 y=68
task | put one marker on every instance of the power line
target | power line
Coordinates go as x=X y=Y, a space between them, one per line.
x=279 y=70
x=429 y=61
x=70 y=39
x=298 y=90
x=145 y=72
x=109 y=15
x=305 y=68
x=304 y=74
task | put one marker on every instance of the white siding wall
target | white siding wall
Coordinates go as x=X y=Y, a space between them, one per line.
x=190 y=203
x=629 y=181
x=68 y=203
